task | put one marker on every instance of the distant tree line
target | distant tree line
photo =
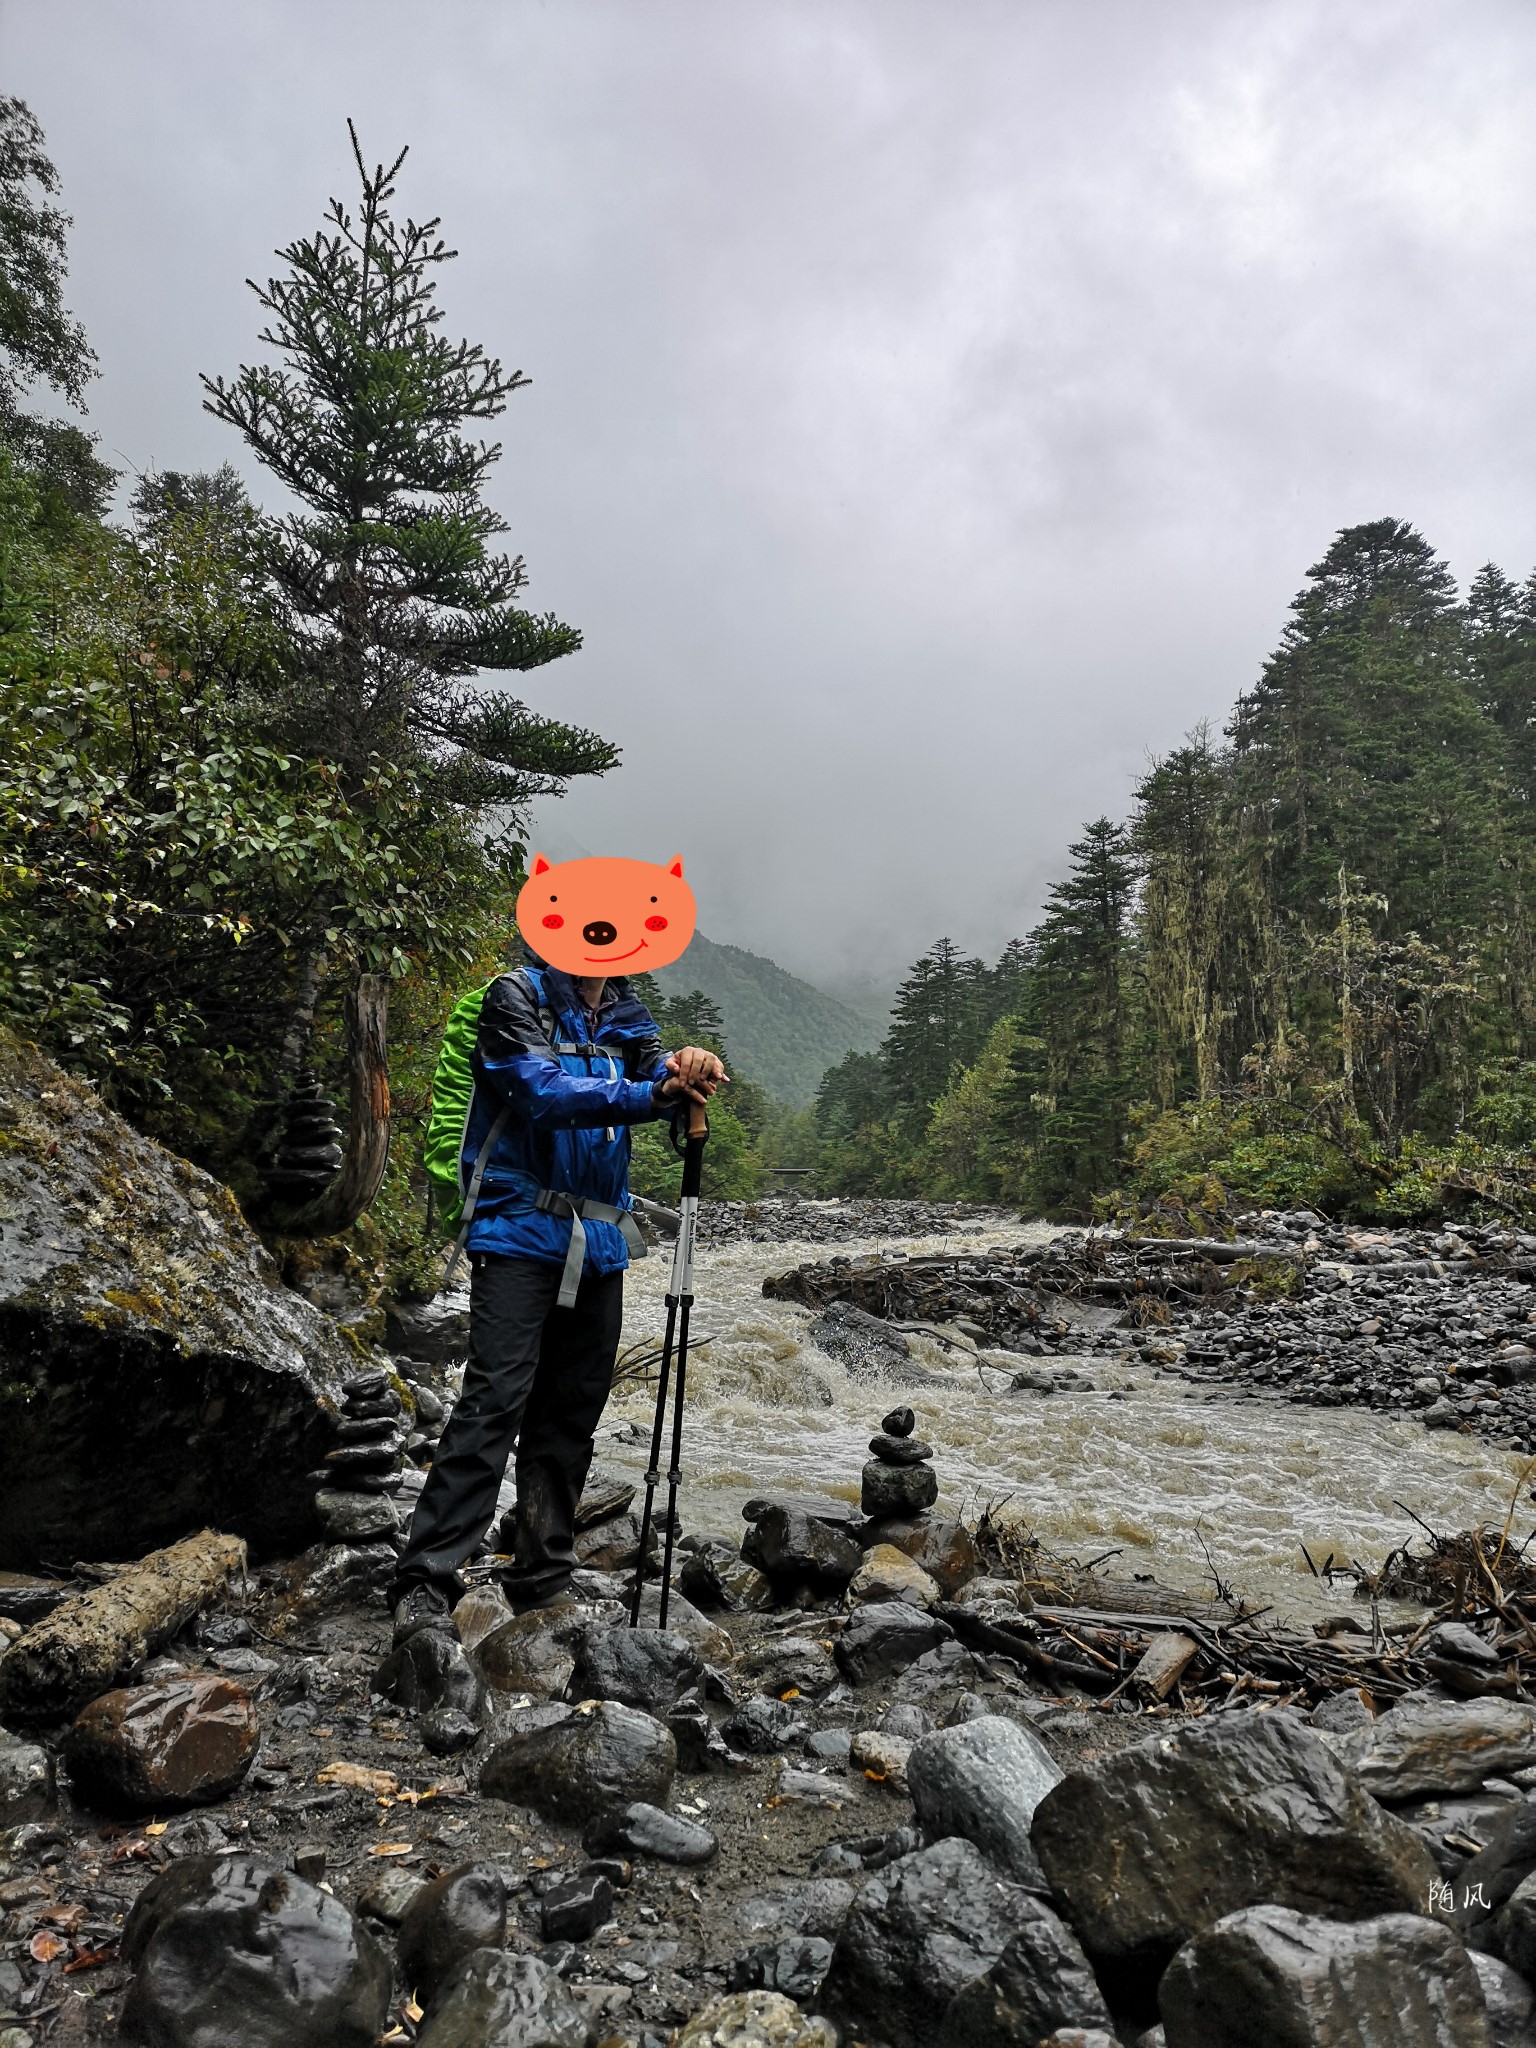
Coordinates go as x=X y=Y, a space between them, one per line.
x=1301 y=970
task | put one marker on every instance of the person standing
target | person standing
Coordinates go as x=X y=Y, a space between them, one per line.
x=563 y=1066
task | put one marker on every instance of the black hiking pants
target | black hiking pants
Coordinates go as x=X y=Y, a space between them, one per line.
x=538 y=1377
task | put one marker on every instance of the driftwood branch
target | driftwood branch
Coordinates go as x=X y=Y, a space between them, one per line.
x=96 y=1640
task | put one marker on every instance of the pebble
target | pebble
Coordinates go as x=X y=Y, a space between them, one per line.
x=575 y=1911
x=640 y=1829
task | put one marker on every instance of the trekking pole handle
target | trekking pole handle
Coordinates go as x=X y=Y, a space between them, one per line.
x=693 y=1151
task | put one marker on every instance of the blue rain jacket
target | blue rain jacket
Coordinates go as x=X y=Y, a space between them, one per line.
x=571 y=1111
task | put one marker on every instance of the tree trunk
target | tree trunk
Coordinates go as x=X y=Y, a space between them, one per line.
x=367 y=1148
x=301 y=1019
x=95 y=1641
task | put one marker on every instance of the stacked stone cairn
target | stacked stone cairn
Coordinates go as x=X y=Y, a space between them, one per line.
x=307 y=1155
x=364 y=1469
x=899 y=1478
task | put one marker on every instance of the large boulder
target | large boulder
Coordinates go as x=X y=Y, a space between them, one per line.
x=1147 y=1847
x=157 y=1374
x=236 y=1948
x=945 y=1549
x=884 y=1637
x=1040 y=1983
x=648 y=1668
x=1399 y=1979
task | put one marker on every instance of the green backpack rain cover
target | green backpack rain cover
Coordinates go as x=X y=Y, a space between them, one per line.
x=453 y=1092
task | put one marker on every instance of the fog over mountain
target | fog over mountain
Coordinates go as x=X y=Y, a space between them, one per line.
x=934 y=408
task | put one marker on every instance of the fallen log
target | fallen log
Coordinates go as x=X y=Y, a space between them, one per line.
x=96 y=1640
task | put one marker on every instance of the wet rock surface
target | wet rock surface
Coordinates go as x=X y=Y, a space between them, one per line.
x=123 y=1265
x=915 y=1937
x=173 y=1743
x=448 y=1919
x=1216 y=1816
x=883 y=1637
x=1397 y=1978
x=496 y=2000
x=591 y=1759
x=236 y=1949
x=640 y=1829
x=984 y=1780
x=643 y=1667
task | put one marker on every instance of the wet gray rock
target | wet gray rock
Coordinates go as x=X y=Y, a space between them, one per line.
x=123 y=1266
x=895 y=1490
x=356 y=1517
x=684 y=1619
x=1509 y=2001
x=596 y=1756
x=447 y=1730
x=786 y=1545
x=900 y=1450
x=1397 y=1979
x=497 y=2000
x=534 y=1652
x=816 y=1906
x=884 y=1637
x=795 y=1966
x=1514 y=1926
x=915 y=1937
x=1488 y=1879
x=714 y=1576
x=1239 y=1810
x=431 y=1332
x=448 y=1919
x=761 y=1725
x=1040 y=1982
x=984 y=1780
x=649 y=1668
x=790 y=1664
x=430 y=1670
x=640 y=1829
x=236 y=1950
x=26 y=1781
x=574 y=1911
x=1424 y=1747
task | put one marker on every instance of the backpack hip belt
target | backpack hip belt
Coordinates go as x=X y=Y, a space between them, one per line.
x=554 y=1203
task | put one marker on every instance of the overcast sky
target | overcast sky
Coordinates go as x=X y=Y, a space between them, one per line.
x=934 y=406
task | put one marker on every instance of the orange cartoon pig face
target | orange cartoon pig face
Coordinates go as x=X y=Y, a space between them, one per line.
x=605 y=915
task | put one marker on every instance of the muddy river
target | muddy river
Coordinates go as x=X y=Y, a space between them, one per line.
x=1152 y=1473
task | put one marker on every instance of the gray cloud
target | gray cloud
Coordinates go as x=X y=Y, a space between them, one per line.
x=934 y=408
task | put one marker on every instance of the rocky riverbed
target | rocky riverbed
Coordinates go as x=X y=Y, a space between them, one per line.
x=833 y=1800
x=859 y=1788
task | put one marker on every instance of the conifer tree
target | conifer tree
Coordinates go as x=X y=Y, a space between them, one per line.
x=393 y=594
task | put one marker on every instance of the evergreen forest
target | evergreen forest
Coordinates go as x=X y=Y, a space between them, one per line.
x=1300 y=972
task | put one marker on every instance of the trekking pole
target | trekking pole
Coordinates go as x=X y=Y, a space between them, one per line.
x=679 y=1306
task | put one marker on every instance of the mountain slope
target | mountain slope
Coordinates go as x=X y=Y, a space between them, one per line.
x=785 y=1033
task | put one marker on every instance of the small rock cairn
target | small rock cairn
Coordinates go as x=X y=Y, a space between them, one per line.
x=364 y=1469
x=899 y=1478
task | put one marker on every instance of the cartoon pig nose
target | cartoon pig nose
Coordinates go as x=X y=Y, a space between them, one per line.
x=598 y=933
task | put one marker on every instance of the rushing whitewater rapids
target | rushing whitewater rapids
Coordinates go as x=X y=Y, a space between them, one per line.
x=1150 y=1474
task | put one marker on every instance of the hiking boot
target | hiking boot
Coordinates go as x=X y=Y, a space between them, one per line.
x=424 y=1606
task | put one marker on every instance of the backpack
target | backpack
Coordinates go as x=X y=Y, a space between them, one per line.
x=453 y=1096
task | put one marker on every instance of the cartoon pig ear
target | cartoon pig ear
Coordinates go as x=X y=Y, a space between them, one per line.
x=540 y=864
x=675 y=867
